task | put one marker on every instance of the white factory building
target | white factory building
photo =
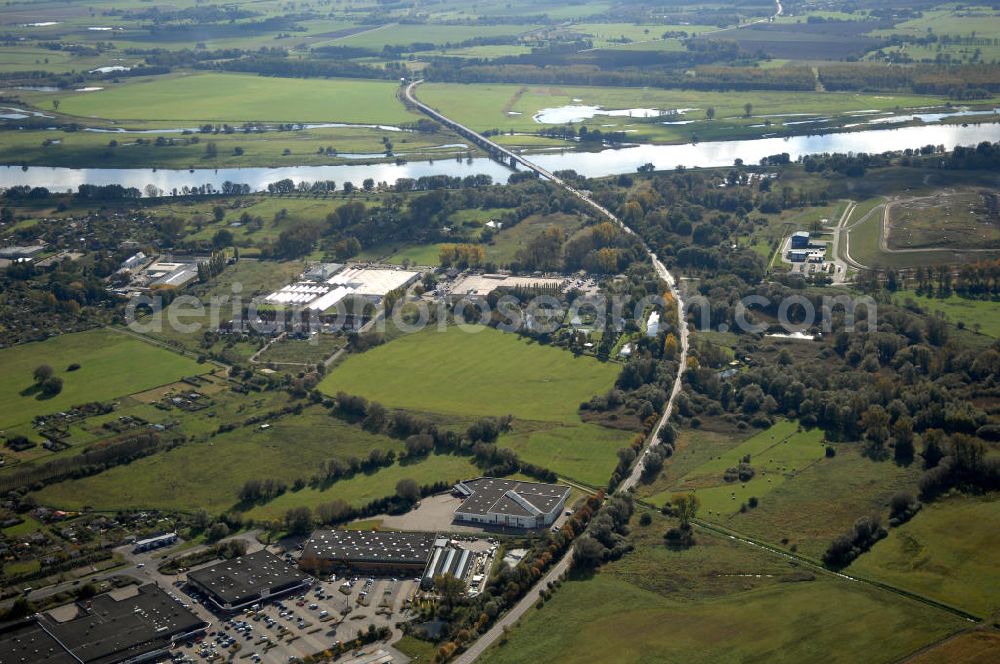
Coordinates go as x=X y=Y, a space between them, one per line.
x=368 y=282
x=501 y=502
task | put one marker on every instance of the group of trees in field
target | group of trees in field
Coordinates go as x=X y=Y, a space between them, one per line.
x=46 y=381
x=605 y=537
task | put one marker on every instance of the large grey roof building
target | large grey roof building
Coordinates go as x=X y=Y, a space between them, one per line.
x=500 y=502
x=367 y=550
x=233 y=584
x=108 y=629
x=25 y=642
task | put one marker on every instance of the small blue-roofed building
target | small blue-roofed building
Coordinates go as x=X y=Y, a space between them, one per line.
x=800 y=240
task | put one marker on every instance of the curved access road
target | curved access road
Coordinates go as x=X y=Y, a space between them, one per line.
x=507 y=157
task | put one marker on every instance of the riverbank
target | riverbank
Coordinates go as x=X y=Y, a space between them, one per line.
x=590 y=164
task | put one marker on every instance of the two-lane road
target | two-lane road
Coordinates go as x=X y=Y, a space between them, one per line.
x=526 y=602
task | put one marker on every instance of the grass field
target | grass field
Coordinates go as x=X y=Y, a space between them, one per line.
x=948 y=219
x=224 y=97
x=777 y=455
x=940 y=554
x=209 y=474
x=824 y=500
x=490 y=373
x=984 y=313
x=586 y=453
x=483 y=372
x=362 y=489
x=354 y=145
x=309 y=351
x=397 y=253
x=507 y=243
x=718 y=601
x=111 y=365
x=486 y=106
x=976 y=647
x=865 y=245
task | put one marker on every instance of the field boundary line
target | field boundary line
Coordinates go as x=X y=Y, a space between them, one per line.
x=183 y=352
x=816 y=565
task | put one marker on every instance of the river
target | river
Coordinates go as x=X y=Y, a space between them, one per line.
x=590 y=164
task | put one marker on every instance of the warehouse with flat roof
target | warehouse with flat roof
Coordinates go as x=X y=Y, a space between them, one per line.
x=128 y=625
x=234 y=584
x=367 y=551
x=510 y=503
x=25 y=642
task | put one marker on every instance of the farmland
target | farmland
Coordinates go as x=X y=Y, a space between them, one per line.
x=514 y=107
x=955 y=220
x=978 y=315
x=925 y=557
x=484 y=372
x=702 y=605
x=221 y=98
x=209 y=474
x=106 y=360
x=777 y=456
x=476 y=372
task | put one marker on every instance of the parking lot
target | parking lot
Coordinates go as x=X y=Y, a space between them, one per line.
x=293 y=627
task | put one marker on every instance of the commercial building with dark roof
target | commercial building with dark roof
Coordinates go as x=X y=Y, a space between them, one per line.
x=234 y=584
x=368 y=551
x=108 y=629
x=25 y=642
x=510 y=503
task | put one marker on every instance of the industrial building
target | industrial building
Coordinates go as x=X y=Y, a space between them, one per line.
x=324 y=286
x=129 y=625
x=133 y=261
x=234 y=584
x=800 y=239
x=154 y=542
x=367 y=551
x=19 y=252
x=446 y=558
x=481 y=285
x=500 y=502
x=171 y=273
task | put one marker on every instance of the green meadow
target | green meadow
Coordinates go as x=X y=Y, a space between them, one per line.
x=364 y=488
x=475 y=371
x=225 y=98
x=943 y=553
x=776 y=455
x=209 y=474
x=485 y=106
x=719 y=601
x=979 y=315
x=112 y=364
x=485 y=372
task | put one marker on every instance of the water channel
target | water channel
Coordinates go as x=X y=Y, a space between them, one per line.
x=590 y=164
